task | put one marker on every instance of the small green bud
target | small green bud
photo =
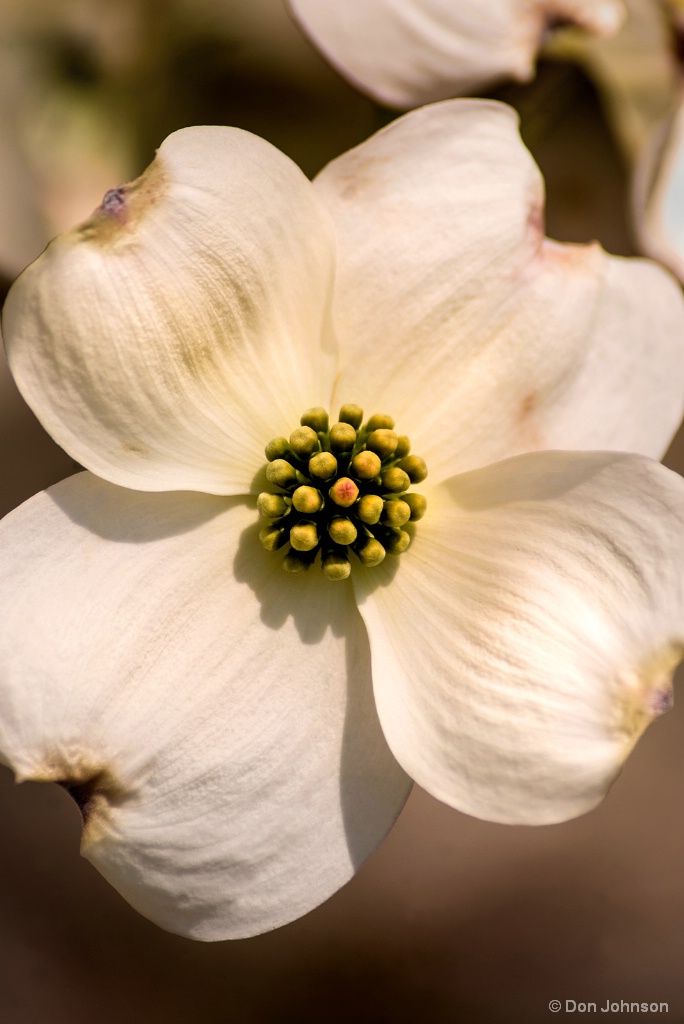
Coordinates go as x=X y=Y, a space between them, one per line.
x=296 y=563
x=304 y=442
x=417 y=504
x=384 y=442
x=281 y=473
x=379 y=422
x=342 y=437
x=403 y=447
x=304 y=536
x=276 y=448
x=371 y=552
x=414 y=467
x=342 y=530
x=395 y=480
x=315 y=504
x=395 y=513
x=396 y=542
x=307 y=500
x=365 y=465
x=272 y=506
x=272 y=537
x=351 y=414
x=336 y=566
x=369 y=508
x=344 y=492
x=316 y=418
x=323 y=465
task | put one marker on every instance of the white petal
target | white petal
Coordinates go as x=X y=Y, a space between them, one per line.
x=635 y=71
x=408 y=52
x=660 y=196
x=214 y=715
x=530 y=632
x=483 y=339
x=166 y=341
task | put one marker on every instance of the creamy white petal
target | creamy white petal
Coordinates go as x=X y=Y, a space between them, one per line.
x=214 y=717
x=167 y=340
x=636 y=71
x=529 y=634
x=483 y=339
x=408 y=52
x=659 y=200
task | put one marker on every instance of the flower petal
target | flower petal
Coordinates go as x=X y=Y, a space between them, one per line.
x=635 y=70
x=660 y=196
x=485 y=340
x=408 y=52
x=167 y=340
x=530 y=633
x=213 y=717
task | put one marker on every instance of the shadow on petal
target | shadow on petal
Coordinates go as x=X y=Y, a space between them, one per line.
x=373 y=787
x=136 y=517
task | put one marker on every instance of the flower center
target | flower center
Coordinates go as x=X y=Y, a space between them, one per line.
x=338 y=490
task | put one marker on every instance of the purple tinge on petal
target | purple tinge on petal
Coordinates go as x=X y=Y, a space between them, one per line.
x=114 y=203
x=662 y=700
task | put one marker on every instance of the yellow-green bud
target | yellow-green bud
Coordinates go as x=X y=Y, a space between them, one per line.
x=397 y=542
x=379 y=422
x=342 y=437
x=414 y=467
x=276 y=448
x=351 y=414
x=395 y=480
x=308 y=500
x=342 y=530
x=320 y=511
x=365 y=465
x=272 y=506
x=304 y=536
x=344 y=492
x=395 y=513
x=304 y=442
x=384 y=442
x=371 y=552
x=272 y=537
x=296 y=563
x=369 y=508
x=315 y=418
x=281 y=473
x=335 y=566
x=417 y=504
x=323 y=465
x=403 y=447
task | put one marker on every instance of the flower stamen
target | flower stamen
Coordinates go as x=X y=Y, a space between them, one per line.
x=338 y=490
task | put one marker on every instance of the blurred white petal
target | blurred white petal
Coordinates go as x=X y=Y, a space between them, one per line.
x=408 y=52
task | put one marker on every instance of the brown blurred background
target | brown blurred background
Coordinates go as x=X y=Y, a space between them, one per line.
x=453 y=919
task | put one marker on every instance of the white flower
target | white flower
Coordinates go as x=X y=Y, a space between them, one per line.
x=408 y=52
x=214 y=715
x=635 y=70
x=659 y=195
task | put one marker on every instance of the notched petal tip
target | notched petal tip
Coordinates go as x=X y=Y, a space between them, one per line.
x=123 y=207
x=647 y=692
x=94 y=787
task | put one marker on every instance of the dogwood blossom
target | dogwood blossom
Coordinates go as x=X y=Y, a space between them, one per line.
x=659 y=195
x=408 y=52
x=240 y=738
